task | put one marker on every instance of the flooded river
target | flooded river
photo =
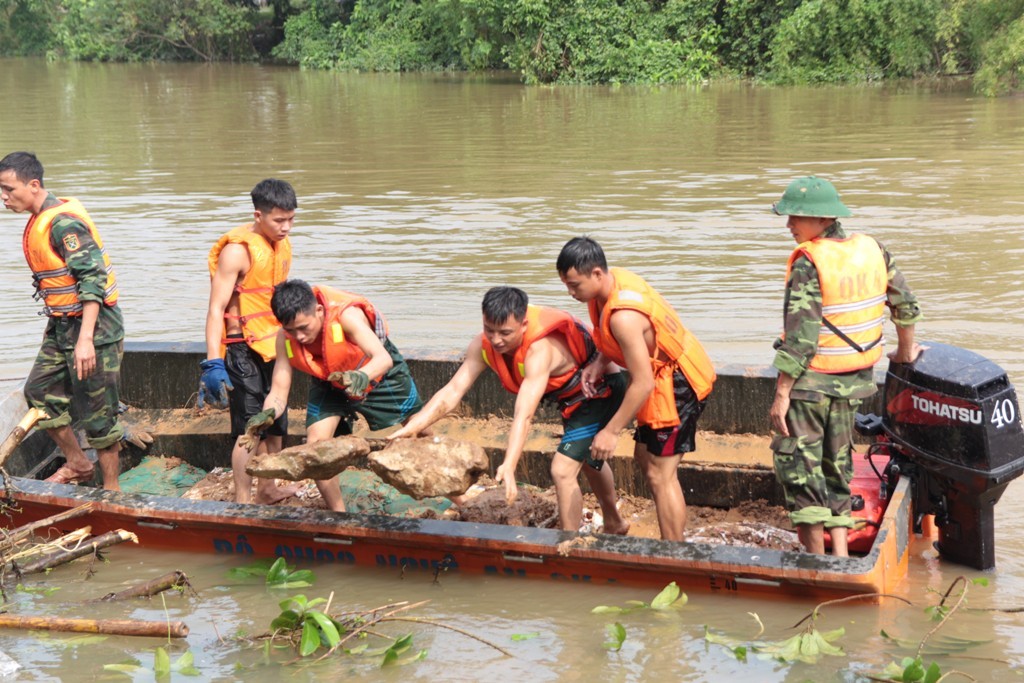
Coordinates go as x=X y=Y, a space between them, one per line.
x=423 y=191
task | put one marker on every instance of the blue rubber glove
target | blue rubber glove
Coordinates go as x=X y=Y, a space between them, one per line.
x=214 y=384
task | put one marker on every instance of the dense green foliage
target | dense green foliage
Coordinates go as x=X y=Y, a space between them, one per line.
x=549 y=41
x=129 y=30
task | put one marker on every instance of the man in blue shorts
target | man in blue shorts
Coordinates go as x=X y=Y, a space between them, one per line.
x=539 y=353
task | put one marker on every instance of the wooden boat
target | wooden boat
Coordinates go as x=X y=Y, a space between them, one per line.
x=156 y=377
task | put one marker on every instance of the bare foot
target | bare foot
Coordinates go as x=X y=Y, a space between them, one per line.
x=271 y=493
x=619 y=530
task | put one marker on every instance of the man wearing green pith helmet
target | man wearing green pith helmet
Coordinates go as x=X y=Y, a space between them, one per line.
x=837 y=287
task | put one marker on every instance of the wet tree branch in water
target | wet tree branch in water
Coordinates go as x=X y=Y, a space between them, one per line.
x=172 y=580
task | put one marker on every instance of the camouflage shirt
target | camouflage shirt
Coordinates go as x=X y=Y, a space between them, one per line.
x=86 y=266
x=803 y=322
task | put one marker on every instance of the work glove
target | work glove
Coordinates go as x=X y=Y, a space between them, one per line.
x=256 y=424
x=356 y=382
x=137 y=438
x=214 y=384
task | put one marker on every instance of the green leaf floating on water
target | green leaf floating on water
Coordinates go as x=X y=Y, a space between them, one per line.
x=669 y=597
x=806 y=646
x=185 y=665
x=912 y=670
x=616 y=636
x=161 y=662
x=525 y=636
x=310 y=638
x=258 y=568
x=738 y=650
x=939 y=645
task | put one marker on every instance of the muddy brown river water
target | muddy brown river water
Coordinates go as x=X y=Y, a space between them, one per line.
x=421 y=191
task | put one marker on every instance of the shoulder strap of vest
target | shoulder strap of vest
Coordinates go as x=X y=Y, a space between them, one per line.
x=842 y=335
x=571 y=387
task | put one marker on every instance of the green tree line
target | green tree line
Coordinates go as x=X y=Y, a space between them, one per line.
x=549 y=41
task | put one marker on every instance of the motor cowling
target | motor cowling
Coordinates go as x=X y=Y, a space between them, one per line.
x=953 y=415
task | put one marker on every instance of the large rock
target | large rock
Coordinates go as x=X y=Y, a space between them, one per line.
x=430 y=466
x=321 y=460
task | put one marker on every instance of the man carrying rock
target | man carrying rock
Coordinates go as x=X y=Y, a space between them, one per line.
x=241 y=331
x=341 y=341
x=539 y=353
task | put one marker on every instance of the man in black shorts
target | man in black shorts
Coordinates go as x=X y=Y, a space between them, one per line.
x=538 y=353
x=670 y=374
x=241 y=330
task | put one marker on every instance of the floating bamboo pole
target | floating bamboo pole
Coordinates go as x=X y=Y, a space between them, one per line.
x=115 y=627
x=175 y=579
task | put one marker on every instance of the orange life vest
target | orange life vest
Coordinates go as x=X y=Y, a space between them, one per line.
x=854 y=280
x=53 y=280
x=540 y=322
x=268 y=267
x=336 y=353
x=675 y=348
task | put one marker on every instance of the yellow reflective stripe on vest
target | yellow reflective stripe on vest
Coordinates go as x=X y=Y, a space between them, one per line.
x=853 y=306
x=288 y=348
x=337 y=334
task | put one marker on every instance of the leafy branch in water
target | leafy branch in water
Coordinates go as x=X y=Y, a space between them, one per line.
x=807 y=646
x=277 y=574
x=309 y=630
x=913 y=669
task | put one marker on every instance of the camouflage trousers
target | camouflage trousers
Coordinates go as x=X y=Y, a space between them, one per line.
x=815 y=463
x=53 y=384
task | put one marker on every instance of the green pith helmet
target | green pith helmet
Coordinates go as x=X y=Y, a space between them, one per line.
x=810 y=196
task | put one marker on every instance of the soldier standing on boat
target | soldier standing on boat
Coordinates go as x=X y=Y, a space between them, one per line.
x=341 y=340
x=241 y=330
x=670 y=374
x=837 y=287
x=539 y=353
x=83 y=342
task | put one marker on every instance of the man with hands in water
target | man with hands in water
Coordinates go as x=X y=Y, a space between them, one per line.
x=670 y=375
x=538 y=353
x=241 y=331
x=838 y=285
x=341 y=340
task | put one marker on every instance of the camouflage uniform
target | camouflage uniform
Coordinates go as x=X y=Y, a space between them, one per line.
x=815 y=463
x=53 y=382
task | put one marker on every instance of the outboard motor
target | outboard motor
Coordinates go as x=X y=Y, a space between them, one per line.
x=955 y=428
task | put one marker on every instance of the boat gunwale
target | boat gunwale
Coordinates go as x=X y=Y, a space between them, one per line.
x=628 y=551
